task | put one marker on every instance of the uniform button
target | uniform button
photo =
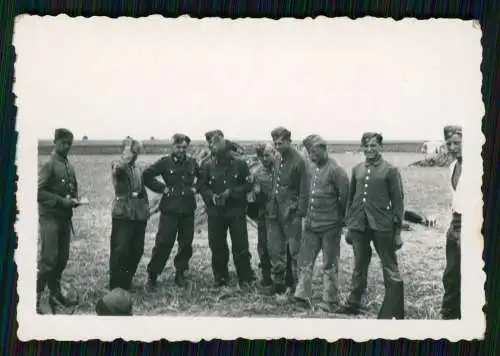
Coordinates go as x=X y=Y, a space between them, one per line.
x=312 y=200
x=369 y=171
x=276 y=192
x=364 y=193
x=366 y=185
x=364 y=200
x=367 y=177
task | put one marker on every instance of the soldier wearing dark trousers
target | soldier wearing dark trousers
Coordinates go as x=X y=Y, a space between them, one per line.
x=262 y=179
x=375 y=213
x=180 y=173
x=286 y=208
x=328 y=193
x=57 y=196
x=224 y=184
x=451 y=305
x=130 y=213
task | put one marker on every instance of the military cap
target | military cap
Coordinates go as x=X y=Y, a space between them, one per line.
x=180 y=138
x=211 y=134
x=307 y=141
x=367 y=136
x=317 y=140
x=116 y=302
x=451 y=130
x=62 y=133
x=281 y=132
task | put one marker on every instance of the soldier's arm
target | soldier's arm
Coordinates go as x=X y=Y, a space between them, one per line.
x=204 y=187
x=352 y=191
x=45 y=196
x=303 y=187
x=197 y=171
x=341 y=183
x=396 y=194
x=245 y=184
x=150 y=175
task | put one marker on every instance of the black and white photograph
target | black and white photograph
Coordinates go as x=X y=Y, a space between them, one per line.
x=195 y=179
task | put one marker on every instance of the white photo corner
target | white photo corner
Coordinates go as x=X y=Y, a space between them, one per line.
x=215 y=179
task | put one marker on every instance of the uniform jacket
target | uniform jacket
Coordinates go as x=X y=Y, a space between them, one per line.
x=328 y=194
x=217 y=176
x=56 y=180
x=180 y=176
x=376 y=197
x=131 y=198
x=289 y=187
x=459 y=194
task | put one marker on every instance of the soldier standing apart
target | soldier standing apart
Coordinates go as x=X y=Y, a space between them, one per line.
x=130 y=213
x=177 y=207
x=57 y=196
x=329 y=188
x=375 y=213
x=224 y=184
x=452 y=277
x=262 y=187
x=286 y=208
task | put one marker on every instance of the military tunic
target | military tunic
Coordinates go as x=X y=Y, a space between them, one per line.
x=329 y=188
x=177 y=207
x=375 y=211
x=285 y=209
x=130 y=212
x=216 y=177
x=56 y=181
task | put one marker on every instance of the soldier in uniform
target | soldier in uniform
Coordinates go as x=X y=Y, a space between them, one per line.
x=57 y=196
x=286 y=208
x=375 y=213
x=451 y=308
x=329 y=188
x=177 y=206
x=262 y=188
x=224 y=184
x=130 y=213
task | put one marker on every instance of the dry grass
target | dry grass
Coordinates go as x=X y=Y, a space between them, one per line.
x=421 y=258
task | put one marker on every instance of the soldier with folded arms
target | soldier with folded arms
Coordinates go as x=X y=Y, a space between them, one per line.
x=130 y=213
x=177 y=206
x=57 y=197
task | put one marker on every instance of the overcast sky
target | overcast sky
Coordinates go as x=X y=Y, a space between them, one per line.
x=108 y=78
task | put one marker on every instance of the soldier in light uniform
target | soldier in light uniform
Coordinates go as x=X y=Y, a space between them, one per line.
x=57 y=196
x=375 y=212
x=130 y=213
x=224 y=184
x=329 y=188
x=286 y=209
x=177 y=206
x=451 y=305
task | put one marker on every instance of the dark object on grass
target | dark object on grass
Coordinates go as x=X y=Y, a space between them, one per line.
x=394 y=304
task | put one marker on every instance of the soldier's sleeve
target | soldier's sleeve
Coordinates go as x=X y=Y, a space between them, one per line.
x=150 y=175
x=352 y=191
x=246 y=182
x=303 y=187
x=46 y=197
x=77 y=193
x=203 y=185
x=396 y=194
x=341 y=183
x=197 y=171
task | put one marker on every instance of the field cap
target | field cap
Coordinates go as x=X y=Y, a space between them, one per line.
x=115 y=303
x=180 y=138
x=367 y=136
x=211 y=134
x=317 y=141
x=307 y=141
x=62 y=133
x=451 y=130
x=281 y=132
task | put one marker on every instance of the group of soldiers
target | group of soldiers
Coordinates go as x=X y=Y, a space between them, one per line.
x=301 y=203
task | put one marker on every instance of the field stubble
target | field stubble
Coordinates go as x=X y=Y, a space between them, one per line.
x=421 y=259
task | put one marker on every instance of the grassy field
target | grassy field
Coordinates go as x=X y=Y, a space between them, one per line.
x=421 y=259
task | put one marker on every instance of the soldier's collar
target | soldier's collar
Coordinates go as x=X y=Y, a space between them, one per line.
x=58 y=157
